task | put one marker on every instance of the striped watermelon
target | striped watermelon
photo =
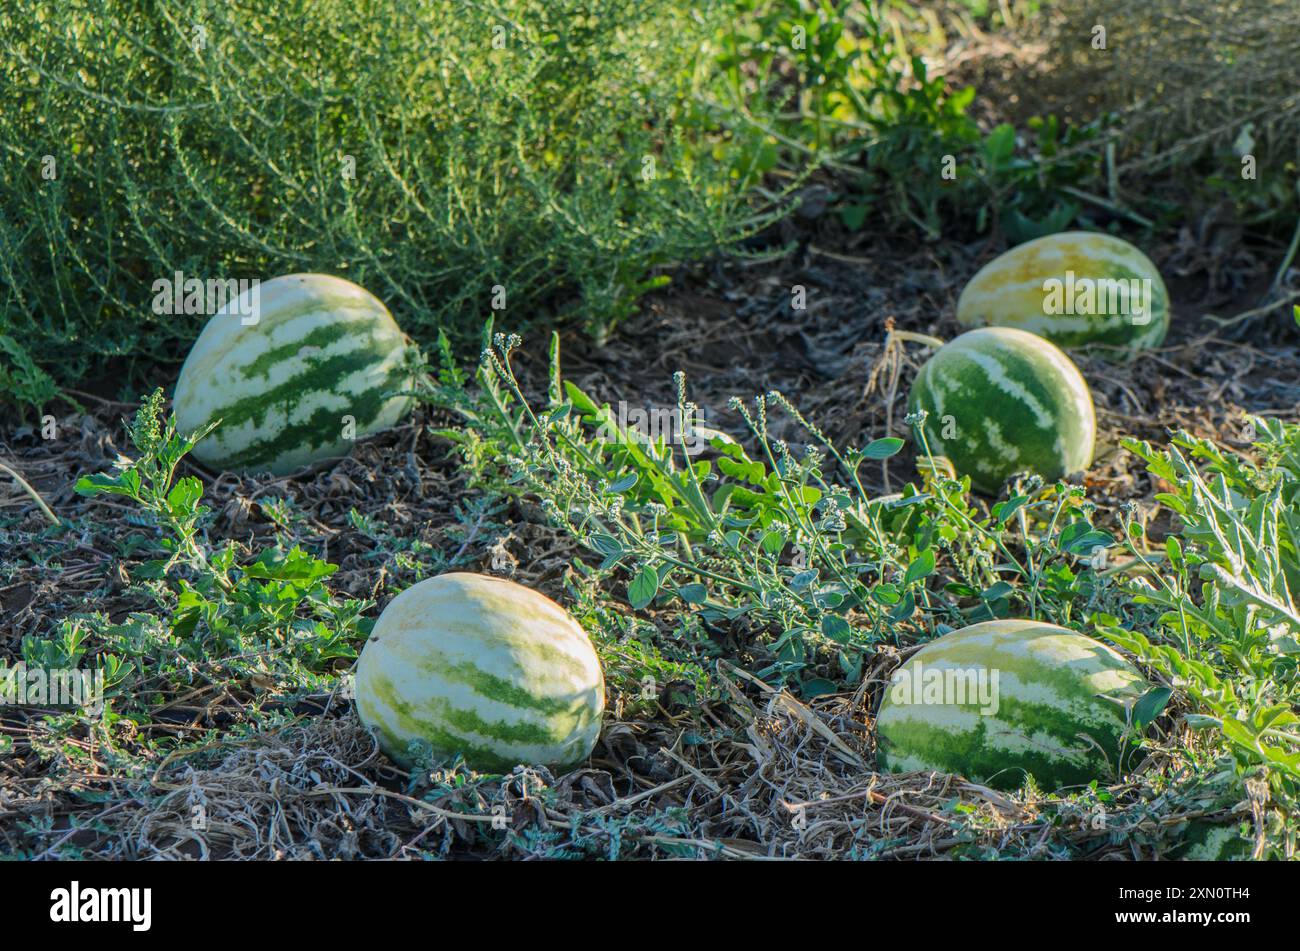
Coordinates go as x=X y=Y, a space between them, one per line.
x=1000 y=699
x=321 y=350
x=484 y=667
x=1077 y=289
x=1205 y=841
x=1000 y=401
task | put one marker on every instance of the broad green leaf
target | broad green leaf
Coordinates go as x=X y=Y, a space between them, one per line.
x=623 y=484
x=643 y=588
x=1149 y=705
x=693 y=593
x=836 y=628
x=921 y=566
x=882 y=448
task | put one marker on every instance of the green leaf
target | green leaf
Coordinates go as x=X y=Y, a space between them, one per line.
x=1174 y=549
x=836 y=628
x=623 y=484
x=904 y=609
x=1088 y=542
x=854 y=216
x=151 y=570
x=126 y=483
x=921 y=567
x=997 y=591
x=803 y=579
x=295 y=565
x=1000 y=144
x=817 y=687
x=1149 y=706
x=184 y=495
x=882 y=448
x=606 y=544
x=1004 y=510
x=643 y=588
x=693 y=593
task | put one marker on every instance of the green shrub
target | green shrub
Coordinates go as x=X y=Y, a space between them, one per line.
x=844 y=85
x=430 y=150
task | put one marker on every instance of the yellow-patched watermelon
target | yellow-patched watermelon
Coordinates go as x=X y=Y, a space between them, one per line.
x=1076 y=289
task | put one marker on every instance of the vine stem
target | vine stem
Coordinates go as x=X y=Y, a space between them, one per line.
x=915 y=338
x=32 y=492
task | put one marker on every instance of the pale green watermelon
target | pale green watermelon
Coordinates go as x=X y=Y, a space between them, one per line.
x=323 y=364
x=483 y=667
x=1000 y=700
x=1076 y=289
x=1000 y=401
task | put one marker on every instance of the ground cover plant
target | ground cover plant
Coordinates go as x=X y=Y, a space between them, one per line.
x=726 y=243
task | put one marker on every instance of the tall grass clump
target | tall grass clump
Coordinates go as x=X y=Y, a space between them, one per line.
x=1199 y=91
x=450 y=156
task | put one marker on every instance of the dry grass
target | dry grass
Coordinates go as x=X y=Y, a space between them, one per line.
x=794 y=783
x=1175 y=75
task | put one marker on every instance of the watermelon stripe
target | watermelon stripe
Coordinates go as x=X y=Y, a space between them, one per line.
x=440 y=664
x=322 y=431
x=322 y=336
x=468 y=722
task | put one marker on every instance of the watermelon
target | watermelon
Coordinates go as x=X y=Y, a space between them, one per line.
x=483 y=667
x=1000 y=401
x=1000 y=700
x=322 y=363
x=1076 y=289
x=1205 y=841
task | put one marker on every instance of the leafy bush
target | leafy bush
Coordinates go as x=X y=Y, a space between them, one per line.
x=221 y=617
x=806 y=81
x=450 y=156
x=1228 y=632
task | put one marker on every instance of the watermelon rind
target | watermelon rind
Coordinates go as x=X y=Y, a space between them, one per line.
x=1205 y=841
x=1061 y=704
x=323 y=361
x=1000 y=401
x=483 y=667
x=1078 y=289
